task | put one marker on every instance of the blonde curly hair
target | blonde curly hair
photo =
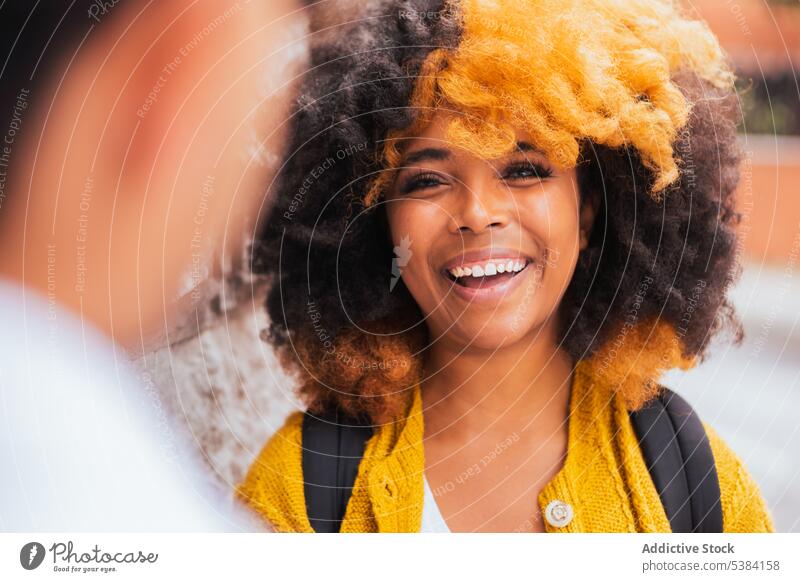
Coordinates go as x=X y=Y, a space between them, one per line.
x=598 y=70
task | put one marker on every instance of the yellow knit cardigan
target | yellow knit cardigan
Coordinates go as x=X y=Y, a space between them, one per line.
x=604 y=476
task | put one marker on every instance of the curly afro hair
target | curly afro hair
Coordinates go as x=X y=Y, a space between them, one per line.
x=634 y=94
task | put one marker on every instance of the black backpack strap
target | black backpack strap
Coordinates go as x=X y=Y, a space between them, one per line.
x=677 y=453
x=332 y=451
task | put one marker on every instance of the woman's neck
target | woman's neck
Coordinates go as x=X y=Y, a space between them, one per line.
x=465 y=390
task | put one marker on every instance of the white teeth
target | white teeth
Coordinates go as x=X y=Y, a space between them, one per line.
x=489 y=269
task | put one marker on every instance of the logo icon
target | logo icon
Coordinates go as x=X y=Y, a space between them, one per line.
x=31 y=555
x=402 y=254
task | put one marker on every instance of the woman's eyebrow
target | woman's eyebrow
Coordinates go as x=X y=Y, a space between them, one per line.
x=440 y=154
x=524 y=146
x=436 y=154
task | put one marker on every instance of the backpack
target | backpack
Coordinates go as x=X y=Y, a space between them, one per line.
x=672 y=440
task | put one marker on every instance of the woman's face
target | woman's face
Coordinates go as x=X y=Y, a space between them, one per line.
x=490 y=245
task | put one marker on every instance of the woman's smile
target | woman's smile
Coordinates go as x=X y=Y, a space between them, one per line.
x=487 y=276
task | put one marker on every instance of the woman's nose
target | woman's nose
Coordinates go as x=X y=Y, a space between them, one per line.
x=481 y=207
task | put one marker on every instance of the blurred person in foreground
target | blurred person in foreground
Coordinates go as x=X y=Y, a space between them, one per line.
x=131 y=131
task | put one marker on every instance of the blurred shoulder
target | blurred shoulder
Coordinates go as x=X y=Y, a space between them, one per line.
x=744 y=510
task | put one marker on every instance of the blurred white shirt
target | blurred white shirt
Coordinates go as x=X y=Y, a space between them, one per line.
x=84 y=444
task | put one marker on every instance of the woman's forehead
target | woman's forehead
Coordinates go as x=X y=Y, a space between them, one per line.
x=436 y=140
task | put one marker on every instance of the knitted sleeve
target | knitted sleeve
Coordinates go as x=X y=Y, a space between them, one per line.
x=743 y=508
x=273 y=487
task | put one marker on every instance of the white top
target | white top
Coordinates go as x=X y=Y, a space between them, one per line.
x=85 y=445
x=432 y=520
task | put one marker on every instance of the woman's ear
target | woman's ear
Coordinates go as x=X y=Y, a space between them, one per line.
x=590 y=203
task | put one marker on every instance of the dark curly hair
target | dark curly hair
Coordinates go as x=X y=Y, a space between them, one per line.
x=647 y=295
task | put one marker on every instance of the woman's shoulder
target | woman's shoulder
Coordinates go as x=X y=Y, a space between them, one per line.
x=273 y=486
x=743 y=507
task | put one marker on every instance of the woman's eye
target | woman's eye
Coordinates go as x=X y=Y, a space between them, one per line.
x=421 y=182
x=527 y=171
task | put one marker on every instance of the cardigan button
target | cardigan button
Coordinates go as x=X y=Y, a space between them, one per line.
x=558 y=513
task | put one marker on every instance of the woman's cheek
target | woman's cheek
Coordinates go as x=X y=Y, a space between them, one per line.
x=415 y=277
x=562 y=256
x=411 y=228
x=410 y=219
x=553 y=220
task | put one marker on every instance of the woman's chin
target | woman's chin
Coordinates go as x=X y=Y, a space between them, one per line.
x=492 y=333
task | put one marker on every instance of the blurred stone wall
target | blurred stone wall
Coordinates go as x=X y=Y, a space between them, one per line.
x=220 y=382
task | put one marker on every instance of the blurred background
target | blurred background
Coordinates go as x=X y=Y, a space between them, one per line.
x=751 y=393
x=210 y=367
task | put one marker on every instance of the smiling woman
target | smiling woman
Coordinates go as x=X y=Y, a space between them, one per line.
x=550 y=198
x=486 y=234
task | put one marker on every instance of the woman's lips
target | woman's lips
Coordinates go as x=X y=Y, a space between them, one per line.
x=490 y=289
x=492 y=273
